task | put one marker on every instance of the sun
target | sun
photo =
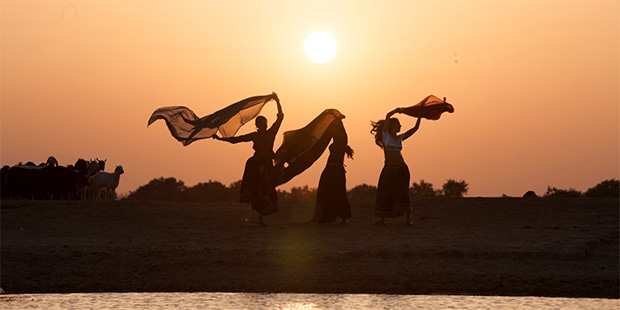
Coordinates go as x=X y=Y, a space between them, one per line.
x=320 y=46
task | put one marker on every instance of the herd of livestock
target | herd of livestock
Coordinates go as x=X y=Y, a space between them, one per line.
x=83 y=180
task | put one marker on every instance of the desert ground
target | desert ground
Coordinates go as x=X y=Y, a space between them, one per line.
x=476 y=246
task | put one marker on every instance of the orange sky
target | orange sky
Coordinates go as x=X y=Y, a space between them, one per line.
x=535 y=85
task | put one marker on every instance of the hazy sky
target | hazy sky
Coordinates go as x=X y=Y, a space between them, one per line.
x=535 y=85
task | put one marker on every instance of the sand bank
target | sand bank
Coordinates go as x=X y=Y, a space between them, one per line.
x=482 y=246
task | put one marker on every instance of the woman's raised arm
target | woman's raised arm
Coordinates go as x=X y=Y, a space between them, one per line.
x=386 y=125
x=411 y=131
x=244 y=138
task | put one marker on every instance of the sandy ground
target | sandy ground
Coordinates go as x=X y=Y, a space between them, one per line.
x=479 y=246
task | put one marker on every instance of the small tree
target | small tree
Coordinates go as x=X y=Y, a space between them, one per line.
x=455 y=189
x=283 y=194
x=362 y=191
x=607 y=188
x=556 y=192
x=423 y=189
x=212 y=191
x=303 y=192
x=235 y=186
x=160 y=189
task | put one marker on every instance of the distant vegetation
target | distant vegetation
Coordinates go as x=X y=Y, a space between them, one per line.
x=454 y=189
x=171 y=189
x=607 y=188
x=424 y=189
x=556 y=192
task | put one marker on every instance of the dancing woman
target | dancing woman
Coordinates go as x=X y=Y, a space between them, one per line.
x=393 y=188
x=331 y=199
x=258 y=182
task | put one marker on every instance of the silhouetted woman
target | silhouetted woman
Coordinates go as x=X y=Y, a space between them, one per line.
x=258 y=182
x=393 y=188
x=331 y=199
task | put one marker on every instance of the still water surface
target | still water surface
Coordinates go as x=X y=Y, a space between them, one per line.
x=239 y=301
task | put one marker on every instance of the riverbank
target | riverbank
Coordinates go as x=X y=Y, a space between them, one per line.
x=477 y=246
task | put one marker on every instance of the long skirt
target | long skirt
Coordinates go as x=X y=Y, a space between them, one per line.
x=393 y=192
x=331 y=198
x=258 y=185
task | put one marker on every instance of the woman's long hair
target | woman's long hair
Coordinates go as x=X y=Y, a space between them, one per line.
x=349 y=151
x=341 y=139
x=377 y=131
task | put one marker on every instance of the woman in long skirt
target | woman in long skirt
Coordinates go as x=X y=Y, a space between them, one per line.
x=393 y=189
x=258 y=182
x=331 y=199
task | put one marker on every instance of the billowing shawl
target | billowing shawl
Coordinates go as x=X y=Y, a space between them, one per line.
x=186 y=127
x=302 y=147
x=430 y=108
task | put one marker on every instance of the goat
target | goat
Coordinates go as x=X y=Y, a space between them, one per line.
x=101 y=181
x=27 y=180
x=88 y=169
x=51 y=161
x=63 y=183
x=94 y=166
x=81 y=166
x=3 y=173
x=101 y=164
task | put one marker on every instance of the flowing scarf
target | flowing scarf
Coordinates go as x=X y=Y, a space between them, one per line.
x=430 y=107
x=186 y=127
x=302 y=147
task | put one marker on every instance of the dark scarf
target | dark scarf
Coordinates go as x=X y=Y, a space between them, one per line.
x=186 y=127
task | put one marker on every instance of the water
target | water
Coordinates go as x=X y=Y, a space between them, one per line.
x=257 y=301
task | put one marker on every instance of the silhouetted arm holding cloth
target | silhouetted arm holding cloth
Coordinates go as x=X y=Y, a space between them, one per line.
x=186 y=127
x=411 y=131
x=243 y=138
x=273 y=130
x=258 y=181
x=430 y=107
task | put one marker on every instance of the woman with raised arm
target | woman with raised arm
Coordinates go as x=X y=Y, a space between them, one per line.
x=331 y=199
x=258 y=182
x=393 y=188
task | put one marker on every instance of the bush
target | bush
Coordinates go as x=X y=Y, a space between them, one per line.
x=454 y=189
x=302 y=192
x=211 y=191
x=362 y=191
x=607 y=188
x=235 y=187
x=423 y=189
x=168 y=189
x=555 y=192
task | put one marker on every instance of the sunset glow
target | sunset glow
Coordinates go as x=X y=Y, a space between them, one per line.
x=535 y=85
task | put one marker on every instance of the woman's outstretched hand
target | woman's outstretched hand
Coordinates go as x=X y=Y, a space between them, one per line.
x=275 y=97
x=397 y=110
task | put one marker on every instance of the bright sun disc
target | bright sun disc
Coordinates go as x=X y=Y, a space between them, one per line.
x=320 y=46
